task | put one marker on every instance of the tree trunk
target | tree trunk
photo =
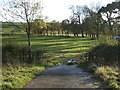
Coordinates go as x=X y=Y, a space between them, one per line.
x=29 y=44
x=109 y=22
x=47 y=32
x=58 y=33
x=77 y=35
x=51 y=33
x=82 y=33
x=74 y=34
x=29 y=47
x=80 y=26
x=62 y=32
x=86 y=34
x=97 y=34
x=67 y=33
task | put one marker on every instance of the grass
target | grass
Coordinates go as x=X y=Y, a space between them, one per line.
x=9 y=28
x=18 y=77
x=109 y=76
x=56 y=47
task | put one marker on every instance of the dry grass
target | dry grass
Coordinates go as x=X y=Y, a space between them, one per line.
x=109 y=75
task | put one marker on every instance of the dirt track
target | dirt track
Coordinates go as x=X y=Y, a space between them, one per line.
x=63 y=76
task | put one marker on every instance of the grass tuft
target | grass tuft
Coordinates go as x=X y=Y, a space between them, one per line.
x=17 y=78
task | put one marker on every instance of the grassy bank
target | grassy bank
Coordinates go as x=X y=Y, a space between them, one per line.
x=16 y=76
x=102 y=61
x=19 y=76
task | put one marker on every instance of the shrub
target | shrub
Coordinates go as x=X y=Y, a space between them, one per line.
x=103 y=61
x=12 y=53
x=56 y=62
x=71 y=63
x=104 y=54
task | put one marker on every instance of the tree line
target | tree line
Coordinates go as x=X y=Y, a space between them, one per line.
x=84 y=21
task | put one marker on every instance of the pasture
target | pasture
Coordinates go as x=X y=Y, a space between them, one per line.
x=55 y=47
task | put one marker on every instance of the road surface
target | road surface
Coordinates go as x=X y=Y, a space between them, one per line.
x=63 y=76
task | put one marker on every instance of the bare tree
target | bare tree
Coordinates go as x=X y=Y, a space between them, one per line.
x=24 y=12
x=77 y=17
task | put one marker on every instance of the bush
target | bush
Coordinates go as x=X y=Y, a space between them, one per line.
x=12 y=53
x=71 y=63
x=104 y=54
x=56 y=62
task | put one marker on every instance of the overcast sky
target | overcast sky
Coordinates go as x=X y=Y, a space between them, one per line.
x=59 y=9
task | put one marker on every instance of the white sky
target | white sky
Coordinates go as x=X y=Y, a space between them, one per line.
x=59 y=9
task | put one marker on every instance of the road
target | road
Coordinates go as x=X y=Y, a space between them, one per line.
x=63 y=76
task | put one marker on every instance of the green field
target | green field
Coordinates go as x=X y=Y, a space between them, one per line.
x=9 y=28
x=56 y=47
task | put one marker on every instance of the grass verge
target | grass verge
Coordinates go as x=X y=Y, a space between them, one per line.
x=19 y=76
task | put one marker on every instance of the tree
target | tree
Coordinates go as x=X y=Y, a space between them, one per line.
x=91 y=20
x=54 y=27
x=111 y=12
x=39 y=26
x=79 y=13
x=23 y=11
x=65 y=24
x=77 y=18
